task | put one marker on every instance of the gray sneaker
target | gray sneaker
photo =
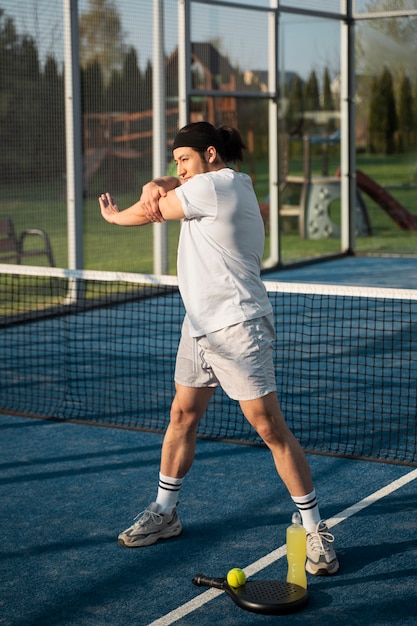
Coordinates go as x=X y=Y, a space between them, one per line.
x=149 y=527
x=321 y=557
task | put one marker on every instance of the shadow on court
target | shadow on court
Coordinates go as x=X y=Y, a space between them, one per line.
x=67 y=490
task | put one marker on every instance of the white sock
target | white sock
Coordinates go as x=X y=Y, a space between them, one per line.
x=168 y=490
x=309 y=510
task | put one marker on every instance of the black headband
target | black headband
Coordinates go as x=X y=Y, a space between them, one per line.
x=196 y=139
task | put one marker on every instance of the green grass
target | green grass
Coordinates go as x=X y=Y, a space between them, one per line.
x=109 y=247
x=397 y=173
x=106 y=247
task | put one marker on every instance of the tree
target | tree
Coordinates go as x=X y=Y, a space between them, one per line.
x=312 y=93
x=327 y=97
x=294 y=115
x=114 y=90
x=31 y=110
x=383 y=115
x=101 y=37
x=53 y=120
x=28 y=59
x=147 y=87
x=311 y=98
x=8 y=61
x=92 y=88
x=22 y=136
x=132 y=82
x=8 y=51
x=415 y=99
x=406 y=119
x=327 y=103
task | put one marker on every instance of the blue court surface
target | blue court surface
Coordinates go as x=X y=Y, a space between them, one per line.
x=68 y=489
x=385 y=272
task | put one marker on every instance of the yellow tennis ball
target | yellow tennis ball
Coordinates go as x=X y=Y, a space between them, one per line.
x=236 y=577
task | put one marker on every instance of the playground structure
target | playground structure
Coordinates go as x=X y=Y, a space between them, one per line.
x=306 y=198
x=116 y=135
x=309 y=198
x=314 y=201
x=399 y=214
x=129 y=135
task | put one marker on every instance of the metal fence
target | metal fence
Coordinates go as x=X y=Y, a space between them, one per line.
x=92 y=92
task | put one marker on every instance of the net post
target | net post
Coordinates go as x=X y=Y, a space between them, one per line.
x=274 y=253
x=348 y=140
x=73 y=127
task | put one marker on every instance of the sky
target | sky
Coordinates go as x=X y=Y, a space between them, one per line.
x=243 y=34
x=305 y=43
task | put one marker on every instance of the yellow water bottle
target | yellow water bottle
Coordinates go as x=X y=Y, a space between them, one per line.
x=296 y=552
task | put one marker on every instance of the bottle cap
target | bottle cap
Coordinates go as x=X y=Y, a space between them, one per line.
x=296 y=518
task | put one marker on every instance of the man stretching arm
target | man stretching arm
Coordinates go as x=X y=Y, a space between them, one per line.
x=228 y=330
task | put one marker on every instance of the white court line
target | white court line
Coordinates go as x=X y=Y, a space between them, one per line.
x=273 y=556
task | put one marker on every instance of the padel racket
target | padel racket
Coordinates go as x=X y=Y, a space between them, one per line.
x=269 y=597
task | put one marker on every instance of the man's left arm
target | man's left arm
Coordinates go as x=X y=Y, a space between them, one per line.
x=138 y=214
x=133 y=216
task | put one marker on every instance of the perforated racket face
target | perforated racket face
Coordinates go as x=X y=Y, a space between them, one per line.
x=271 y=597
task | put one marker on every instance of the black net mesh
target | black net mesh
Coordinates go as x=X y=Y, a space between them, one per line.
x=100 y=347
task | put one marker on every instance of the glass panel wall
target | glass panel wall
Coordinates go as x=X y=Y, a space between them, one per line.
x=229 y=49
x=386 y=121
x=32 y=124
x=309 y=70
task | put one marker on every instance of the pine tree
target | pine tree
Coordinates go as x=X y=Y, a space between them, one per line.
x=311 y=98
x=406 y=119
x=382 y=115
x=312 y=93
x=294 y=114
x=327 y=100
x=131 y=79
x=101 y=37
x=53 y=119
x=92 y=88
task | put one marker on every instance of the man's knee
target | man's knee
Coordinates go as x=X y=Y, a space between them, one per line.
x=183 y=415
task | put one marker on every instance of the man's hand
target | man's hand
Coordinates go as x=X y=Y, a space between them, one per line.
x=146 y=209
x=108 y=207
x=151 y=193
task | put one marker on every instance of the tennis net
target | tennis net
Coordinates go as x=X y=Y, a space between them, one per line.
x=99 y=347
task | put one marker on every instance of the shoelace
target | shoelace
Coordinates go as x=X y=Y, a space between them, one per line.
x=320 y=537
x=144 y=517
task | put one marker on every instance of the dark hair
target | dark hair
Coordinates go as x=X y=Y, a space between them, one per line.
x=201 y=135
x=233 y=144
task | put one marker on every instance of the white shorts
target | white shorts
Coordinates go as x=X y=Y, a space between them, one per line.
x=239 y=358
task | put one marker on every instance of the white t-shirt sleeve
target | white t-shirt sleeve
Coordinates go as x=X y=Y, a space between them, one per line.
x=198 y=197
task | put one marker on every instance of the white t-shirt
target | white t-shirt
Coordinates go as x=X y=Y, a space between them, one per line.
x=220 y=251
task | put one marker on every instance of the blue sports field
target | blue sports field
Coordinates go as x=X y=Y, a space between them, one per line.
x=68 y=489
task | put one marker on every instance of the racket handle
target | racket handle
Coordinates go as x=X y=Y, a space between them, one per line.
x=205 y=581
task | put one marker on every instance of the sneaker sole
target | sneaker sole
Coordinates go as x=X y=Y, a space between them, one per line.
x=150 y=539
x=322 y=570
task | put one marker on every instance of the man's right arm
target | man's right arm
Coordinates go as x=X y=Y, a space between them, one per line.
x=169 y=207
x=153 y=191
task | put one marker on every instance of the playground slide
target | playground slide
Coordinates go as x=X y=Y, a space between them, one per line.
x=396 y=211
